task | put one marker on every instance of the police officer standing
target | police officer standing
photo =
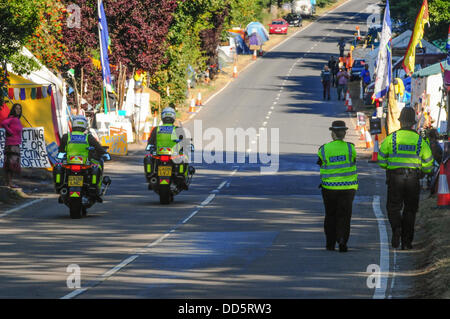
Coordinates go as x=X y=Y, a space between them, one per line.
x=337 y=161
x=406 y=158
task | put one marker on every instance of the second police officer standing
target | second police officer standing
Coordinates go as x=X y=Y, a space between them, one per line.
x=406 y=158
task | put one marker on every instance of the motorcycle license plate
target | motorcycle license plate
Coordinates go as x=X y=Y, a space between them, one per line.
x=165 y=171
x=75 y=181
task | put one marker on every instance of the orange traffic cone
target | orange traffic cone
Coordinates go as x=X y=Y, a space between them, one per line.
x=235 y=71
x=443 y=191
x=192 y=108
x=362 y=137
x=369 y=142
x=375 y=151
x=349 y=105
x=254 y=55
x=198 y=102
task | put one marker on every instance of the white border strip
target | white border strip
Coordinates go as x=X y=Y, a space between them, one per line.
x=380 y=293
x=8 y=212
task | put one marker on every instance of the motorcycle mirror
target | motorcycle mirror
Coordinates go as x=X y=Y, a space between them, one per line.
x=61 y=156
x=180 y=138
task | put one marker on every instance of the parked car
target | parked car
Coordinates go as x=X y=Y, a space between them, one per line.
x=279 y=26
x=303 y=7
x=294 y=19
x=357 y=68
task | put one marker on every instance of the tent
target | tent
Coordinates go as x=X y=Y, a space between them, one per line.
x=427 y=87
x=38 y=105
x=44 y=77
x=399 y=42
x=258 y=35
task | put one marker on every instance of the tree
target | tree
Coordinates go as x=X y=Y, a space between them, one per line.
x=407 y=10
x=46 y=42
x=138 y=30
x=82 y=45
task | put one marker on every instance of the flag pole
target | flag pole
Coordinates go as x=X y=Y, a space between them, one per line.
x=104 y=92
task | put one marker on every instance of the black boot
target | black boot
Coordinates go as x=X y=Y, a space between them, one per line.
x=396 y=235
x=342 y=246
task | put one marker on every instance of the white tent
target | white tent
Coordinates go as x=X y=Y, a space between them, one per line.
x=399 y=42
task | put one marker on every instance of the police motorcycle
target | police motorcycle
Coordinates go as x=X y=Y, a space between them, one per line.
x=79 y=182
x=167 y=170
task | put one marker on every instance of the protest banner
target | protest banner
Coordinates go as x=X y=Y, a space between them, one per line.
x=117 y=144
x=33 y=151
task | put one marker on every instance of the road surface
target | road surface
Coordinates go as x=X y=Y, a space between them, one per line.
x=238 y=232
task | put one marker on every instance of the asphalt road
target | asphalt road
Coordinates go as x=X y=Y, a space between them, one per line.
x=239 y=232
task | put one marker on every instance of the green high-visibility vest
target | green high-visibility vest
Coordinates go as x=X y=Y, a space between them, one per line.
x=338 y=169
x=77 y=148
x=166 y=139
x=405 y=149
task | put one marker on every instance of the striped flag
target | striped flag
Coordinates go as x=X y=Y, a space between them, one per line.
x=384 y=61
x=409 y=61
x=104 y=46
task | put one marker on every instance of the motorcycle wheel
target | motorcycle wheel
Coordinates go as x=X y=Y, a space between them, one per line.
x=164 y=195
x=75 y=208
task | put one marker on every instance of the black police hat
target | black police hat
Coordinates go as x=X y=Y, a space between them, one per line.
x=407 y=116
x=338 y=125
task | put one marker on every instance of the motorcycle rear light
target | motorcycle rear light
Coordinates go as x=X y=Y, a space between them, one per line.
x=165 y=158
x=75 y=168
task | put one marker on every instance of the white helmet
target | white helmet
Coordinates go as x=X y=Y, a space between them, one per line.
x=79 y=121
x=168 y=115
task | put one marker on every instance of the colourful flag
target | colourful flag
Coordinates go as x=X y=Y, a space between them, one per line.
x=383 y=71
x=409 y=61
x=104 y=44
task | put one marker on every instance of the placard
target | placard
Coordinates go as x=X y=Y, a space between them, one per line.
x=117 y=144
x=33 y=151
x=361 y=118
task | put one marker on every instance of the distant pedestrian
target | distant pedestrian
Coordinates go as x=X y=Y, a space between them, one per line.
x=339 y=182
x=341 y=45
x=365 y=76
x=332 y=66
x=342 y=81
x=326 y=82
x=13 y=128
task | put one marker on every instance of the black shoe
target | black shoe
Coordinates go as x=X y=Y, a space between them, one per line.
x=396 y=237
x=407 y=246
x=330 y=247
x=328 y=98
x=342 y=246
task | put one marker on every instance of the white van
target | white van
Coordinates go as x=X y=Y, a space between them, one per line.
x=302 y=7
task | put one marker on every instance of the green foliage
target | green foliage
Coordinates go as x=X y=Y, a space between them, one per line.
x=407 y=11
x=18 y=21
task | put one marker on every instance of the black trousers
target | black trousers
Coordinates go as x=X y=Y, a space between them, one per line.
x=338 y=214
x=326 y=89
x=403 y=202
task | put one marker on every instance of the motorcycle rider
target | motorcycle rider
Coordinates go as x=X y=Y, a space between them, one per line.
x=77 y=143
x=166 y=136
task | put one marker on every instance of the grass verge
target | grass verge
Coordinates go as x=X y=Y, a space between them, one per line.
x=433 y=243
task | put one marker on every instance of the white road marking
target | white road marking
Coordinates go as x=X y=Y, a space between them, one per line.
x=380 y=293
x=221 y=185
x=208 y=200
x=125 y=262
x=394 y=272
x=8 y=212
